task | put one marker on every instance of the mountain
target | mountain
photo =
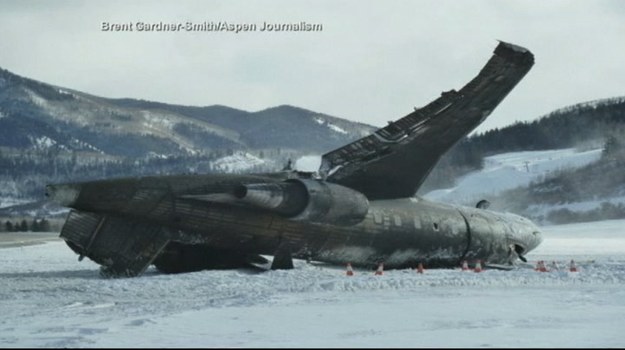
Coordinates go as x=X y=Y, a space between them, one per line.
x=35 y=116
x=51 y=134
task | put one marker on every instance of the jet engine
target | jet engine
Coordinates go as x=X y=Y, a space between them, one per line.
x=310 y=200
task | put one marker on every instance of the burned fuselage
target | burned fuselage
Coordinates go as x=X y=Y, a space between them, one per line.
x=360 y=208
x=141 y=219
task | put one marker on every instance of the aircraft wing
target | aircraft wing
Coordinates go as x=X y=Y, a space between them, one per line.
x=395 y=160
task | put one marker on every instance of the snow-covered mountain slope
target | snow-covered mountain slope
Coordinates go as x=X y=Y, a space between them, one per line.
x=51 y=134
x=237 y=162
x=38 y=116
x=48 y=299
x=510 y=170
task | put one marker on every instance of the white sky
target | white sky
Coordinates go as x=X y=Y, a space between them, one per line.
x=373 y=62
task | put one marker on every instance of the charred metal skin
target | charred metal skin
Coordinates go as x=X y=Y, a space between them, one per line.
x=361 y=210
x=307 y=200
x=400 y=232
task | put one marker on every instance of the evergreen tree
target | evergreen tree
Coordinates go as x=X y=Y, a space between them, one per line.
x=44 y=225
x=608 y=146
x=611 y=147
x=24 y=226
x=35 y=226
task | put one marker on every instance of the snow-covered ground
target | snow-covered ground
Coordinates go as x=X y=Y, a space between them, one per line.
x=331 y=126
x=510 y=170
x=308 y=163
x=238 y=162
x=49 y=299
x=10 y=201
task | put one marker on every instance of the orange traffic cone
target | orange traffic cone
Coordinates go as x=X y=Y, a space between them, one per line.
x=465 y=266
x=573 y=268
x=540 y=266
x=349 y=272
x=420 y=268
x=380 y=270
x=478 y=266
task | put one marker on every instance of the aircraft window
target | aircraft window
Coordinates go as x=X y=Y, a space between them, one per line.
x=377 y=217
x=417 y=223
x=435 y=226
x=397 y=220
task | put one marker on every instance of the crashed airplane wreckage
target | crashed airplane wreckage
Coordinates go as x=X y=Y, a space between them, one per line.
x=361 y=207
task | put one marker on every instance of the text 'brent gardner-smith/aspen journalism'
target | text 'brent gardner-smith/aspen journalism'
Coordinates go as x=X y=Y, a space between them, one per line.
x=209 y=26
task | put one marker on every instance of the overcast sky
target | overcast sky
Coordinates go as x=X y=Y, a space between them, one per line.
x=373 y=61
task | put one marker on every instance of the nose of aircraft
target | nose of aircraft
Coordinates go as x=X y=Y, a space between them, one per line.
x=532 y=237
x=524 y=236
x=65 y=195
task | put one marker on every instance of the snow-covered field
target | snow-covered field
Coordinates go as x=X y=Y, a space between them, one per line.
x=49 y=299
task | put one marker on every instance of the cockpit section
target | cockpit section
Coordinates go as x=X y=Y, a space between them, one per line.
x=499 y=237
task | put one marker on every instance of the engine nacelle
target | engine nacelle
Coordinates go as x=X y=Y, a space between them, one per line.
x=311 y=200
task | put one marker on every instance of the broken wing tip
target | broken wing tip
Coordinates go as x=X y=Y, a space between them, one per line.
x=512 y=50
x=514 y=47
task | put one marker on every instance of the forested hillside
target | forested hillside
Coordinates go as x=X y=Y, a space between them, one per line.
x=584 y=125
x=590 y=193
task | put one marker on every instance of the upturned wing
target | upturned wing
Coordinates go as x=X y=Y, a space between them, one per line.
x=395 y=160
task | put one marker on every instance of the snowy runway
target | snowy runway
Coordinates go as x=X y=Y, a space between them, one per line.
x=48 y=299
